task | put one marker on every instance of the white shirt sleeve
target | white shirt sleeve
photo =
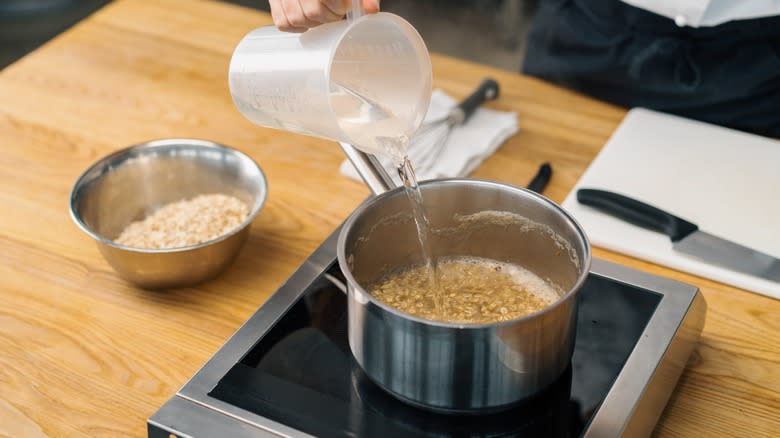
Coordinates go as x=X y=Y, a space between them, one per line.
x=699 y=13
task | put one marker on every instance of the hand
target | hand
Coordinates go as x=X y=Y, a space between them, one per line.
x=299 y=15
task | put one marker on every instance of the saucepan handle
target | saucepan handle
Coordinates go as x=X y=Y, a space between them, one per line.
x=369 y=168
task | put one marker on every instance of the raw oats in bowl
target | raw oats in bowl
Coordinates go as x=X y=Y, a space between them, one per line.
x=169 y=213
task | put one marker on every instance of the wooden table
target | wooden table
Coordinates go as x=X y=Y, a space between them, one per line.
x=82 y=353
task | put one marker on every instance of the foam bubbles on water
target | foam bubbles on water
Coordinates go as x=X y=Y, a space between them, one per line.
x=530 y=281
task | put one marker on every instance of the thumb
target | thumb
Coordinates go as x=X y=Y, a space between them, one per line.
x=370 y=6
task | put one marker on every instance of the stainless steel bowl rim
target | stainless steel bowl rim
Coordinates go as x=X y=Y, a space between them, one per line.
x=585 y=264
x=163 y=143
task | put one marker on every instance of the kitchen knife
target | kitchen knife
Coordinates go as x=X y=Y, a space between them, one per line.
x=541 y=179
x=686 y=237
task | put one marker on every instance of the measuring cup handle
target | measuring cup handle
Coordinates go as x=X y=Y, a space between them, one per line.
x=488 y=90
x=356 y=11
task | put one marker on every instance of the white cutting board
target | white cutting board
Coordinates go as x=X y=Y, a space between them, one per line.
x=725 y=181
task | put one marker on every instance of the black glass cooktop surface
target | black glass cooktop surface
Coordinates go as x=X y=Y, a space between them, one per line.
x=301 y=373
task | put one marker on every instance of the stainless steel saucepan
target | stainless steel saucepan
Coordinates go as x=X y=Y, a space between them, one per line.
x=470 y=368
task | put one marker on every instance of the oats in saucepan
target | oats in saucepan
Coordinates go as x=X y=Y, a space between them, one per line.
x=470 y=290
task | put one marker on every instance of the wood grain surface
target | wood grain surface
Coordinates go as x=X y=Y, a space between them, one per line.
x=84 y=354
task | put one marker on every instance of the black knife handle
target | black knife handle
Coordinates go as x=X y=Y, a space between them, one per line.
x=637 y=213
x=488 y=90
x=540 y=180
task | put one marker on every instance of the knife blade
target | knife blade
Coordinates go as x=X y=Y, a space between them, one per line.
x=686 y=237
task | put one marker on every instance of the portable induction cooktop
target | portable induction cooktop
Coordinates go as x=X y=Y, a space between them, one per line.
x=288 y=370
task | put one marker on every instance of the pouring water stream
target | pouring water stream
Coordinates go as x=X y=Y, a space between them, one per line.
x=369 y=116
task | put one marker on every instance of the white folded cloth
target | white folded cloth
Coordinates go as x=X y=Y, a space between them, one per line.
x=467 y=146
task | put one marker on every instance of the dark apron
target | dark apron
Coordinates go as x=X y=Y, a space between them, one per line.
x=727 y=74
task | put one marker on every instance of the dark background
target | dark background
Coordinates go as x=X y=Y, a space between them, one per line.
x=486 y=31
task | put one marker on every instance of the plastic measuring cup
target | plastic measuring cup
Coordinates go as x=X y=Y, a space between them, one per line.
x=352 y=81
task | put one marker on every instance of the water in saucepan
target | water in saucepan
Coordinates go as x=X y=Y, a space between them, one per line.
x=377 y=130
x=413 y=193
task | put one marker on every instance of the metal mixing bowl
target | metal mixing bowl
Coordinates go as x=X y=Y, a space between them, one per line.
x=130 y=184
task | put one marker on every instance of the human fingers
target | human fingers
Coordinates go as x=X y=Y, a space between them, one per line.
x=299 y=15
x=341 y=7
x=280 y=18
x=370 y=6
x=337 y=7
x=295 y=15
x=318 y=11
